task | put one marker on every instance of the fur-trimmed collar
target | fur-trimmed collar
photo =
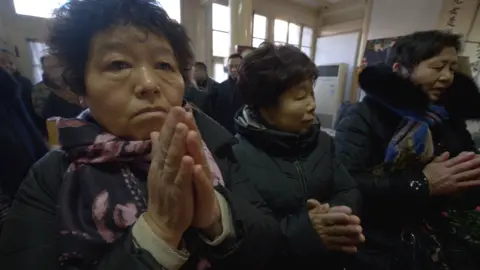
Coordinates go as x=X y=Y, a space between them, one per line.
x=461 y=99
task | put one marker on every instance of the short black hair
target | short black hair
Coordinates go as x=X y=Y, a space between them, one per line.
x=270 y=70
x=235 y=55
x=201 y=65
x=410 y=50
x=76 y=22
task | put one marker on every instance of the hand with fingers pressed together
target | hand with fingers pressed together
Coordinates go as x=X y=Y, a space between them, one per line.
x=446 y=176
x=180 y=188
x=338 y=228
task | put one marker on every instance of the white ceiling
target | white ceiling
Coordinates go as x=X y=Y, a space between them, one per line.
x=315 y=3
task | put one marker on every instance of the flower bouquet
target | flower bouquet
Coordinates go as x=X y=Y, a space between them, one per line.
x=467 y=224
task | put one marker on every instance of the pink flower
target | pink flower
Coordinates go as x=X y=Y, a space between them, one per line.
x=444 y=214
x=477 y=209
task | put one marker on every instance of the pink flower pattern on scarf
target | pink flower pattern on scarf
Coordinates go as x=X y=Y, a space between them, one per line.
x=116 y=205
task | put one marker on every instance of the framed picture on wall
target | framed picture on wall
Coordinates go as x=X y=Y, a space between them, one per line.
x=377 y=51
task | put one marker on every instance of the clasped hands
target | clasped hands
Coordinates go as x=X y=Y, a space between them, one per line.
x=337 y=227
x=180 y=188
x=447 y=175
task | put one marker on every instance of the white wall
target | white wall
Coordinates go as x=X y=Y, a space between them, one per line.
x=392 y=18
x=339 y=49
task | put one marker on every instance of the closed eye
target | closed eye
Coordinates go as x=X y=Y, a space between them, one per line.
x=164 y=66
x=118 y=65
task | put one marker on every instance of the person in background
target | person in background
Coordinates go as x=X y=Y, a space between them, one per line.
x=42 y=90
x=8 y=60
x=21 y=144
x=377 y=54
x=203 y=81
x=293 y=163
x=225 y=100
x=140 y=180
x=194 y=95
x=407 y=146
x=51 y=97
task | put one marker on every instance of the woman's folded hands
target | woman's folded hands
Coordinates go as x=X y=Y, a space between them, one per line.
x=337 y=227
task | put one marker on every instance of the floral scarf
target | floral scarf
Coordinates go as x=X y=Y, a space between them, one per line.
x=101 y=197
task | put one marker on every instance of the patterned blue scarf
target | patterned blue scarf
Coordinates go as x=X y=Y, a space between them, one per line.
x=413 y=137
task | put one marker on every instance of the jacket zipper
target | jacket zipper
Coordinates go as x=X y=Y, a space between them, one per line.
x=301 y=175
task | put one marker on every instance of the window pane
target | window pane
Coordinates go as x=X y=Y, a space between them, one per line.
x=173 y=8
x=37 y=8
x=220 y=17
x=220 y=44
x=219 y=73
x=38 y=50
x=293 y=34
x=307 y=50
x=280 y=30
x=256 y=42
x=279 y=43
x=307 y=36
x=259 y=26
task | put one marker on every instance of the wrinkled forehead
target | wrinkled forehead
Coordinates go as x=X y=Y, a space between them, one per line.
x=128 y=38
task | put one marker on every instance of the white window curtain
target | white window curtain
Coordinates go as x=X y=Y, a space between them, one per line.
x=38 y=49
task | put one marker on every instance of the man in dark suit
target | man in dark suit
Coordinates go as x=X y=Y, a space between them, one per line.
x=225 y=100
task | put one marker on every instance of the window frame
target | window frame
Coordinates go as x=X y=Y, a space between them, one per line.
x=299 y=45
x=253 y=28
x=219 y=31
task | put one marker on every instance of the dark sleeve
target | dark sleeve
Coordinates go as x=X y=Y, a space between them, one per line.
x=345 y=190
x=403 y=191
x=292 y=235
x=302 y=238
x=256 y=229
x=28 y=236
x=210 y=107
x=470 y=198
x=466 y=137
x=26 y=91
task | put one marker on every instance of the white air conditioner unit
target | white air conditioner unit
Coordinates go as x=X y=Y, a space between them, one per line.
x=329 y=92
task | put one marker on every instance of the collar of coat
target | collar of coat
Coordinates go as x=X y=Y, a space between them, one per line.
x=461 y=99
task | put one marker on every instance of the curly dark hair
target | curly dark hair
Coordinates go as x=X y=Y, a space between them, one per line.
x=76 y=22
x=270 y=70
x=410 y=50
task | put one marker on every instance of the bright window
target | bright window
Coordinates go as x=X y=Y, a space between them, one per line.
x=294 y=34
x=220 y=17
x=38 y=50
x=173 y=8
x=307 y=34
x=37 y=8
x=221 y=30
x=280 y=31
x=297 y=35
x=259 y=30
x=45 y=8
x=256 y=42
x=306 y=50
x=221 y=43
